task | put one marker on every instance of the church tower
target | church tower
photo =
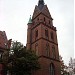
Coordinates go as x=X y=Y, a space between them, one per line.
x=42 y=38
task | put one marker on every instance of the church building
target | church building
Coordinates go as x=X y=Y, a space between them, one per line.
x=42 y=39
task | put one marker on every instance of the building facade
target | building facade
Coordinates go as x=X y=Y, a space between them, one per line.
x=3 y=39
x=42 y=39
x=4 y=42
x=4 y=46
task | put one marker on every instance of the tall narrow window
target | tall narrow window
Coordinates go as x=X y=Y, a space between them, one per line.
x=47 y=50
x=36 y=33
x=0 y=55
x=49 y=21
x=44 y=19
x=36 y=49
x=46 y=33
x=52 y=69
x=53 y=52
x=58 y=56
x=37 y=19
x=52 y=36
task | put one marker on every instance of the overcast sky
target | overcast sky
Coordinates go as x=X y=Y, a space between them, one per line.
x=14 y=16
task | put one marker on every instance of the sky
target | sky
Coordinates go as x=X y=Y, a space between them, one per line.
x=14 y=16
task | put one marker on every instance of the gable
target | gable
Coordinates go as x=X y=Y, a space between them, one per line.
x=43 y=11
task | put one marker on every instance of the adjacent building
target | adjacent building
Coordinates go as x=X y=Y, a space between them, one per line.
x=4 y=46
x=3 y=39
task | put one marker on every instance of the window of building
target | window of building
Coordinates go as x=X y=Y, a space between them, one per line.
x=37 y=19
x=36 y=33
x=53 y=52
x=52 y=36
x=52 y=69
x=0 y=57
x=47 y=50
x=44 y=19
x=58 y=56
x=46 y=33
x=36 y=49
x=49 y=21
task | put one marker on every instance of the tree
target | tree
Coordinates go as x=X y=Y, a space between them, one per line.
x=22 y=61
x=63 y=67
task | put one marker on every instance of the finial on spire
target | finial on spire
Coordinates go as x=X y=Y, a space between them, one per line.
x=41 y=4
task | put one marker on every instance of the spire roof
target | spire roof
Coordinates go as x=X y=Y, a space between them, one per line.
x=30 y=20
x=41 y=4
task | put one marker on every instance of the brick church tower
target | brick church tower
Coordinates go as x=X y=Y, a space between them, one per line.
x=42 y=38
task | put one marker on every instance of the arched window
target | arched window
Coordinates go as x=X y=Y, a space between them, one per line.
x=52 y=35
x=52 y=69
x=36 y=49
x=0 y=55
x=53 y=52
x=46 y=33
x=47 y=50
x=36 y=34
x=44 y=19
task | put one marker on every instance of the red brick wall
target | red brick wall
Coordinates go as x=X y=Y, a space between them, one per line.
x=3 y=39
x=41 y=24
x=4 y=42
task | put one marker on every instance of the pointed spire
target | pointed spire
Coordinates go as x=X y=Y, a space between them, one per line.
x=41 y=4
x=30 y=20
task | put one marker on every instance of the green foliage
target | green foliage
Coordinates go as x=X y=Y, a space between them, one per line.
x=16 y=46
x=22 y=61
